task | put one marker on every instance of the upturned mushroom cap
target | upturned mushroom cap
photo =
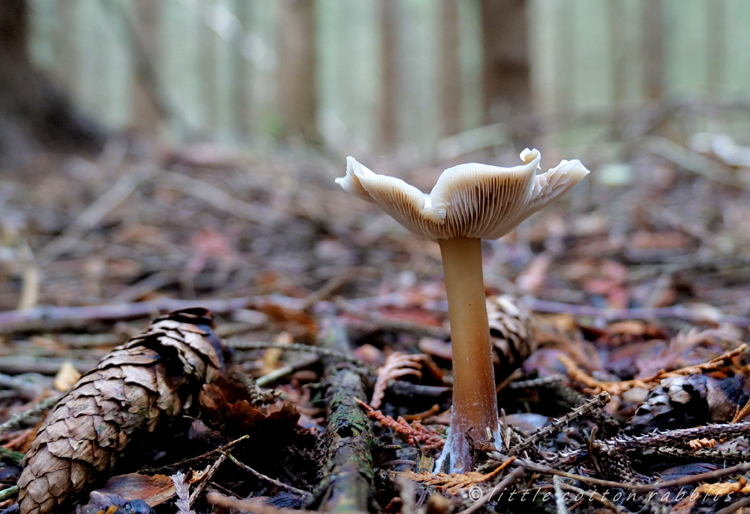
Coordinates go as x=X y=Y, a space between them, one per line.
x=469 y=200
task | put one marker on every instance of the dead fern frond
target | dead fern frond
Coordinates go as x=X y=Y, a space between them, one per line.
x=455 y=482
x=416 y=433
x=396 y=365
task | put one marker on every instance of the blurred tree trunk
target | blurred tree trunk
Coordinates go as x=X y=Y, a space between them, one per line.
x=450 y=71
x=716 y=19
x=652 y=38
x=243 y=72
x=506 y=79
x=146 y=110
x=297 y=62
x=66 y=51
x=619 y=64
x=32 y=111
x=388 y=114
x=209 y=70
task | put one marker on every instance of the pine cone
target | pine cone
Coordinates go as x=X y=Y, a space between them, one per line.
x=689 y=401
x=135 y=389
x=511 y=334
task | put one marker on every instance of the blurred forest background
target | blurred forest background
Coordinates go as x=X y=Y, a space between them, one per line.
x=207 y=133
x=381 y=76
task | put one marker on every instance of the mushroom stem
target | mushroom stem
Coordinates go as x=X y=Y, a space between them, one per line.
x=474 y=409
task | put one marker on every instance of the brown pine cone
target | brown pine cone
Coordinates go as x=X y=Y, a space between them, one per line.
x=135 y=389
x=511 y=334
x=681 y=402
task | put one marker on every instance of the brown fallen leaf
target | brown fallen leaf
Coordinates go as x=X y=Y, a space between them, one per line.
x=135 y=389
x=239 y=417
x=154 y=490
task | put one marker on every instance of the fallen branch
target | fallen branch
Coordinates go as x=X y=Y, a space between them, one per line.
x=597 y=402
x=50 y=318
x=675 y=311
x=348 y=474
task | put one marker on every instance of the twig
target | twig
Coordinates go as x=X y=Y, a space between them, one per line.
x=48 y=318
x=692 y=161
x=504 y=484
x=329 y=288
x=299 y=492
x=536 y=382
x=31 y=278
x=22 y=417
x=10 y=492
x=220 y=449
x=590 y=494
x=393 y=324
x=206 y=477
x=86 y=220
x=676 y=311
x=221 y=500
x=218 y=198
x=285 y=370
x=295 y=347
x=597 y=402
x=744 y=502
x=562 y=508
x=638 y=488
x=17 y=364
x=712 y=431
x=348 y=472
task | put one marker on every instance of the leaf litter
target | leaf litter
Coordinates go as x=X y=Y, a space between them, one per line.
x=643 y=294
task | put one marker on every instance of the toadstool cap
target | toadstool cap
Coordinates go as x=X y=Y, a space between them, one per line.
x=469 y=200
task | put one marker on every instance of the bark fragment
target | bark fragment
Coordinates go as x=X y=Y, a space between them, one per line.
x=135 y=389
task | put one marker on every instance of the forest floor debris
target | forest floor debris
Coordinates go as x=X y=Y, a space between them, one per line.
x=636 y=400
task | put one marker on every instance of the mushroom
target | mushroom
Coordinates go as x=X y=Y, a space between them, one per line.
x=469 y=202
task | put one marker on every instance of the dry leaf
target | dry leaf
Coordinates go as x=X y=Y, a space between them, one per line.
x=154 y=490
x=66 y=377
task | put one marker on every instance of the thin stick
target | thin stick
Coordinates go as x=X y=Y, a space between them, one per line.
x=675 y=311
x=594 y=403
x=10 y=492
x=221 y=500
x=299 y=492
x=504 y=484
x=218 y=198
x=21 y=417
x=220 y=449
x=735 y=506
x=91 y=215
x=562 y=508
x=322 y=352
x=60 y=318
x=638 y=488
x=206 y=477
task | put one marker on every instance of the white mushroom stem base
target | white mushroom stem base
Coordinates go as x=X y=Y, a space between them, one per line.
x=474 y=411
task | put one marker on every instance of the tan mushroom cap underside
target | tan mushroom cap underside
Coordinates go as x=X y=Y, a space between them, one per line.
x=469 y=200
